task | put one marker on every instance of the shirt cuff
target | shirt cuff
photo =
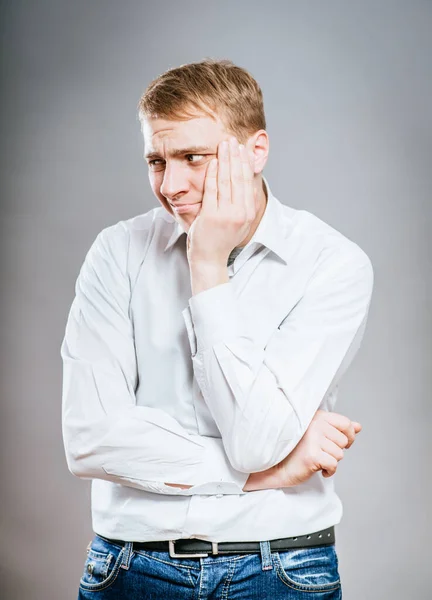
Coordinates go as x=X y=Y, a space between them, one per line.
x=212 y=317
x=216 y=474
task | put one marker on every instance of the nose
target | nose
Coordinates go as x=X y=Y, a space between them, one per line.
x=175 y=182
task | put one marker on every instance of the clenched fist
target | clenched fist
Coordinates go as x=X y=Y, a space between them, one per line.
x=320 y=449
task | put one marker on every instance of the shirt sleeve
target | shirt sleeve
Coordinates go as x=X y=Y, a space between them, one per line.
x=106 y=435
x=264 y=398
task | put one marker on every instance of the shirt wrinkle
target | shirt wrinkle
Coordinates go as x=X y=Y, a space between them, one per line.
x=210 y=387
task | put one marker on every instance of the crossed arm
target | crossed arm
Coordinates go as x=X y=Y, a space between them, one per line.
x=107 y=436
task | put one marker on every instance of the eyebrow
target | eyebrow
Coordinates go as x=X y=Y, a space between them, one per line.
x=181 y=151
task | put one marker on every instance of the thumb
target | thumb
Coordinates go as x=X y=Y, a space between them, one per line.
x=357 y=426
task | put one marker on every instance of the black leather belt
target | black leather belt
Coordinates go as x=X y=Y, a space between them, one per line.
x=196 y=548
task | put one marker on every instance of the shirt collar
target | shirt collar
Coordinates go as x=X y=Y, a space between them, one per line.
x=271 y=231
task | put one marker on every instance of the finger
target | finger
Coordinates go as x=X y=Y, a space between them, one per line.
x=346 y=429
x=223 y=177
x=338 y=423
x=332 y=449
x=210 y=187
x=327 y=474
x=328 y=464
x=350 y=433
x=236 y=170
x=356 y=428
x=248 y=185
x=336 y=436
x=343 y=424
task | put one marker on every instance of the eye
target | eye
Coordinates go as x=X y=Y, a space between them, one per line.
x=156 y=164
x=200 y=156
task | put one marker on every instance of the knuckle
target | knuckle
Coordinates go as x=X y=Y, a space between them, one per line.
x=319 y=415
x=215 y=220
x=310 y=460
x=331 y=465
x=239 y=219
x=337 y=417
x=345 y=422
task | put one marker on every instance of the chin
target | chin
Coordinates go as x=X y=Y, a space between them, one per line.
x=185 y=223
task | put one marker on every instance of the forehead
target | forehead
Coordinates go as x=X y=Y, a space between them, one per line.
x=167 y=134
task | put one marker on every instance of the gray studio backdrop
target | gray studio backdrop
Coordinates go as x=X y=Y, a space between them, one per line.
x=347 y=90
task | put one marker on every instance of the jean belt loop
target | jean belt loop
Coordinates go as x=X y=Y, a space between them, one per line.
x=127 y=553
x=266 y=559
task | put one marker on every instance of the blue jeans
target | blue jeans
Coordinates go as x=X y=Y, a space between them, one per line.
x=116 y=572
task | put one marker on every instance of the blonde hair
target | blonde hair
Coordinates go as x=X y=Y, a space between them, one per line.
x=213 y=87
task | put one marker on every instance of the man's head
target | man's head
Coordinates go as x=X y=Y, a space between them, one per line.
x=185 y=113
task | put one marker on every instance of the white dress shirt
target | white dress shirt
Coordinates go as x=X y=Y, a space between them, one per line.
x=160 y=386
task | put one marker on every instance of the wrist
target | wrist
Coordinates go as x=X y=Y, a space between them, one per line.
x=264 y=480
x=205 y=275
x=197 y=261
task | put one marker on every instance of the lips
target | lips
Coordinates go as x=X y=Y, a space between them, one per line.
x=182 y=208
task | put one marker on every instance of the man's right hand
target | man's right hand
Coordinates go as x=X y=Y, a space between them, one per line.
x=320 y=449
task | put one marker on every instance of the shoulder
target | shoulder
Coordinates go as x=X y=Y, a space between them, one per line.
x=136 y=229
x=335 y=255
x=126 y=242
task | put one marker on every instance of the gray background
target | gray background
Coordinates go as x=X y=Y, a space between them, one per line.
x=347 y=89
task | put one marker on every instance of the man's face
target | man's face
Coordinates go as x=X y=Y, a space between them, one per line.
x=178 y=154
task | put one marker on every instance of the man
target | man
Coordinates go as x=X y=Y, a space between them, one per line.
x=202 y=356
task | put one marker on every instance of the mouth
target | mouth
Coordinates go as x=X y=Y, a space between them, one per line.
x=183 y=208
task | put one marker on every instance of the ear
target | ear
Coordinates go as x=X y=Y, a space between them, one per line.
x=259 y=146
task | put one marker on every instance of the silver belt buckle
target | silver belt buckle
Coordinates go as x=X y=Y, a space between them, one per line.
x=173 y=553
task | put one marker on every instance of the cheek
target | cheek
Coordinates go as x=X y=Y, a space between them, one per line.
x=199 y=180
x=155 y=180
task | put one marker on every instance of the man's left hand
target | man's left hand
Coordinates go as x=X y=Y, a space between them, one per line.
x=229 y=207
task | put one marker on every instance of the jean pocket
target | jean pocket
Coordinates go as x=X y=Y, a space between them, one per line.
x=309 y=569
x=102 y=565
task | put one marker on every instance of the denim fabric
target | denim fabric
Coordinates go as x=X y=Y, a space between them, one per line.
x=119 y=573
